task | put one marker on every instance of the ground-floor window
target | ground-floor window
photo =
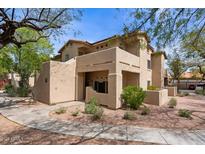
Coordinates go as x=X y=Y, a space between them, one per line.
x=101 y=87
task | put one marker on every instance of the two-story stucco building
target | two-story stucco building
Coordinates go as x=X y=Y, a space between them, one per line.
x=100 y=69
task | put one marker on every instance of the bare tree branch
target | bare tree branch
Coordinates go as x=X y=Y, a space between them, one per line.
x=147 y=19
x=41 y=20
x=41 y=14
x=13 y=11
x=201 y=29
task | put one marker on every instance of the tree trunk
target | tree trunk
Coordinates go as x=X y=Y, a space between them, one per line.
x=13 y=81
x=178 y=81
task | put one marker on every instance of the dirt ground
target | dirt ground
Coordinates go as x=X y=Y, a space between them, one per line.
x=13 y=133
x=159 y=117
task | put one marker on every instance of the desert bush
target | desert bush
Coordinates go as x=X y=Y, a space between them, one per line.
x=76 y=113
x=91 y=106
x=61 y=110
x=145 y=110
x=9 y=89
x=98 y=114
x=186 y=94
x=172 y=103
x=180 y=94
x=152 y=88
x=199 y=92
x=133 y=96
x=23 y=91
x=184 y=113
x=129 y=116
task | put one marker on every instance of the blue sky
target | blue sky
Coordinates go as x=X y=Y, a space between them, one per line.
x=95 y=24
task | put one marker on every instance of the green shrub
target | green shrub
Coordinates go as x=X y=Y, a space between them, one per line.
x=133 y=96
x=91 y=106
x=199 y=92
x=186 y=94
x=10 y=90
x=180 y=94
x=76 y=113
x=184 y=113
x=129 y=116
x=23 y=91
x=61 y=110
x=152 y=88
x=145 y=110
x=172 y=103
x=98 y=114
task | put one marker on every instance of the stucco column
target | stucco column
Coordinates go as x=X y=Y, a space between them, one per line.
x=80 y=89
x=158 y=70
x=114 y=89
x=143 y=64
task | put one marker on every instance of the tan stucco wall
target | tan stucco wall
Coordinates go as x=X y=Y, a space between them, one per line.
x=62 y=82
x=172 y=91
x=102 y=98
x=71 y=50
x=60 y=85
x=80 y=86
x=155 y=97
x=96 y=76
x=41 y=88
x=133 y=47
x=158 y=70
x=130 y=79
x=145 y=74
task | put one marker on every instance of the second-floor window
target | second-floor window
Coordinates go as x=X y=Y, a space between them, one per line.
x=67 y=57
x=148 y=64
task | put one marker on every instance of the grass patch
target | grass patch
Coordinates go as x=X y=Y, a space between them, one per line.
x=145 y=110
x=200 y=92
x=98 y=114
x=75 y=113
x=94 y=109
x=91 y=106
x=61 y=110
x=129 y=116
x=184 y=113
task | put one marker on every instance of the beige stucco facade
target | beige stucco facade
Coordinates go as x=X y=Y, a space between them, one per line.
x=101 y=69
x=156 y=97
x=172 y=91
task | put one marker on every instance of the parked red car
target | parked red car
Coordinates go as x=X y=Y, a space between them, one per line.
x=192 y=87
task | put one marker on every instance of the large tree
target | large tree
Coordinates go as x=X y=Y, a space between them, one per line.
x=45 y=21
x=195 y=51
x=176 y=65
x=167 y=25
x=27 y=59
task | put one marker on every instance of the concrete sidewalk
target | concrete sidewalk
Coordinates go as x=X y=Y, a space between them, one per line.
x=37 y=116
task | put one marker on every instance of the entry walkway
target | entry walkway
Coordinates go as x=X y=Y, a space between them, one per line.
x=37 y=116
